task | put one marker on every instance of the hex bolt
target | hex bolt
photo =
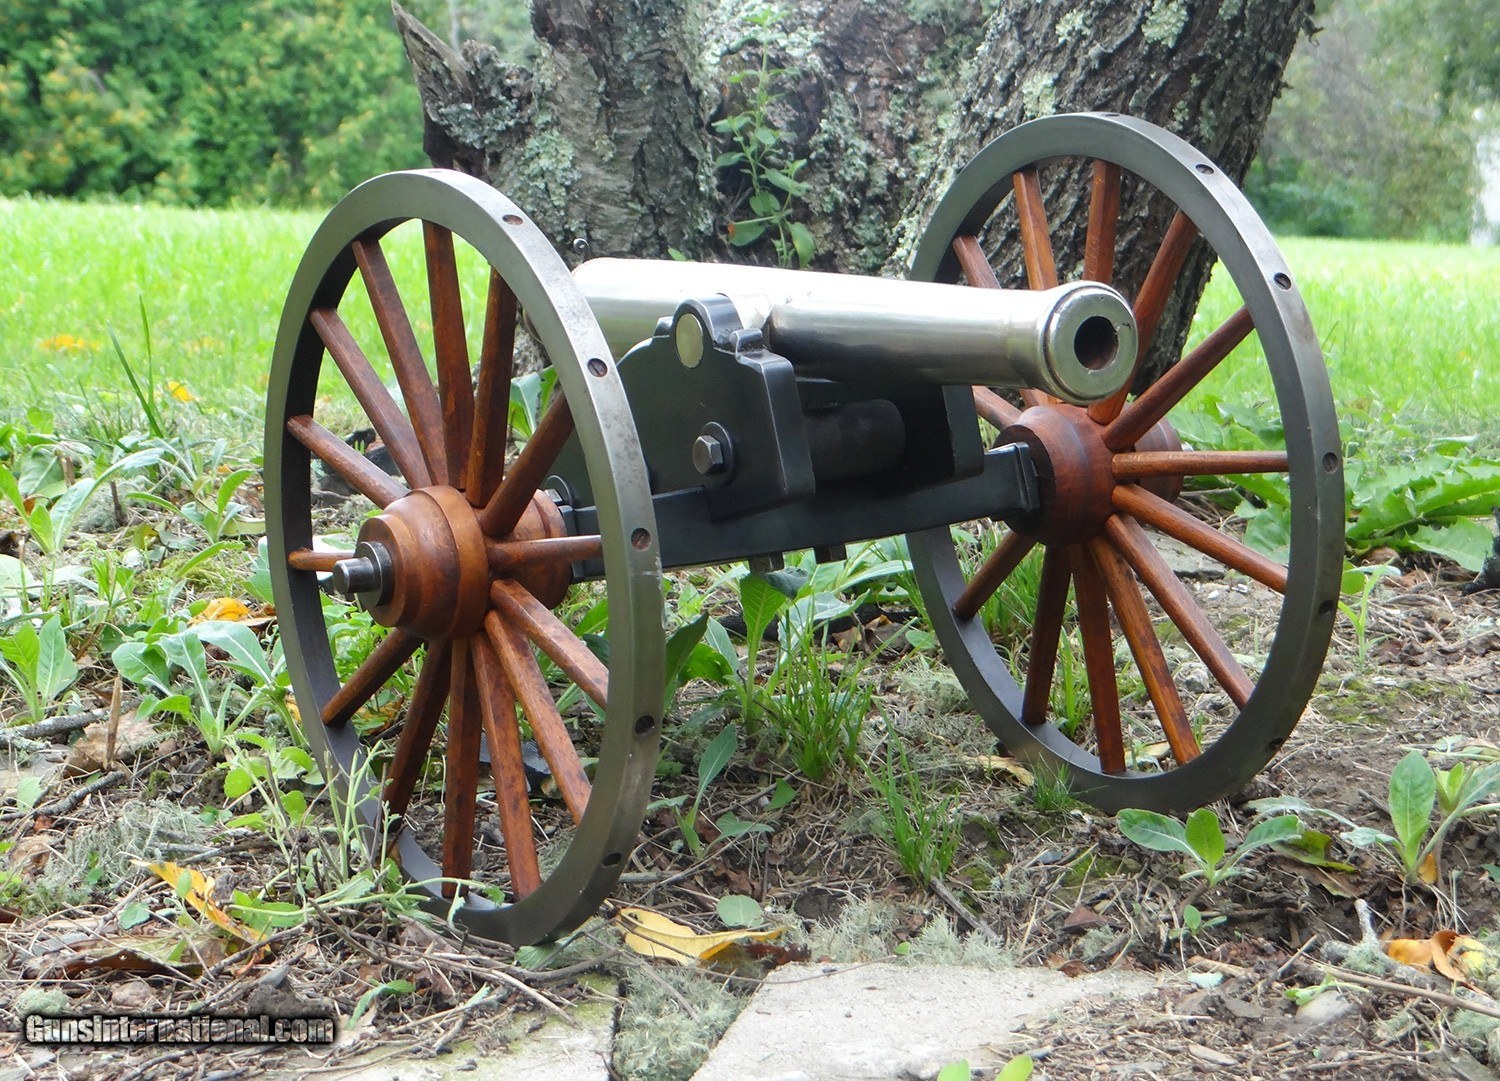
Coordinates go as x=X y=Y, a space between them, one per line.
x=709 y=458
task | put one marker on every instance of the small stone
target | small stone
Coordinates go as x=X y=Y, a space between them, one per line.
x=1329 y=1006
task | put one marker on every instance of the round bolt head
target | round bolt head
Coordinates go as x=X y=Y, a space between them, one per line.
x=708 y=456
x=689 y=339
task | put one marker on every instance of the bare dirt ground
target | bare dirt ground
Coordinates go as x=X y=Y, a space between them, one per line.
x=1055 y=885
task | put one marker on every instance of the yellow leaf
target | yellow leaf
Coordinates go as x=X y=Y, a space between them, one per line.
x=1471 y=956
x=223 y=608
x=998 y=762
x=1416 y=952
x=1428 y=871
x=199 y=894
x=653 y=935
x=180 y=391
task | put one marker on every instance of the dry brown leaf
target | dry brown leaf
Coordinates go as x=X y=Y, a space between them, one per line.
x=653 y=935
x=87 y=754
x=199 y=894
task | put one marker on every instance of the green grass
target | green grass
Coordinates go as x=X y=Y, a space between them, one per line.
x=1411 y=334
x=211 y=281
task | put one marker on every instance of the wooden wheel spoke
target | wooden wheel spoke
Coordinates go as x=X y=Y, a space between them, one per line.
x=363 y=475
x=450 y=348
x=1036 y=236
x=1175 y=522
x=506 y=506
x=992 y=574
x=1150 y=302
x=1104 y=217
x=547 y=724
x=995 y=409
x=553 y=637
x=497 y=358
x=1135 y=622
x=975 y=264
x=385 y=416
x=1198 y=463
x=1158 y=399
x=511 y=786
x=406 y=356
x=394 y=650
x=423 y=709
x=1181 y=608
x=1098 y=659
x=309 y=559
x=1046 y=630
x=508 y=556
x=461 y=769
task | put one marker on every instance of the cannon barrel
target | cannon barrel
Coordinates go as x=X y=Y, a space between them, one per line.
x=1076 y=341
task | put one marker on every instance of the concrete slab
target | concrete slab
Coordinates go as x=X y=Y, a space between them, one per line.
x=894 y=1022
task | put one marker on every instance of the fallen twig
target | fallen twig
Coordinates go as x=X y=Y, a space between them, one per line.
x=1441 y=998
x=52 y=726
x=73 y=799
x=962 y=909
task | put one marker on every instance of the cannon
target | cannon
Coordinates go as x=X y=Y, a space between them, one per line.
x=706 y=414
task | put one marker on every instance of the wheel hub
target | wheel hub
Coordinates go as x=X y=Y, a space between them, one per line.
x=421 y=564
x=1075 y=471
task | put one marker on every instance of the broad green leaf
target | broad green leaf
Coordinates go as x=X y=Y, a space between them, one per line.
x=681 y=644
x=783 y=795
x=1154 y=831
x=1364 y=836
x=745 y=232
x=731 y=825
x=718 y=639
x=1271 y=831
x=144 y=664
x=955 y=1071
x=1205 y=836
x=237 y=782
x=716 y=756
x=1017 y=1069
x=55 y=670
x=761 y=602
x=241 y=646
x=1465 y=541
x=802 y=241
x=134 y=914
x=737 y=910
x=28 y=792
x=1413 y=792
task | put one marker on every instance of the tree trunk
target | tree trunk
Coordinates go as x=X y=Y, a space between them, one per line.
x=612 y=137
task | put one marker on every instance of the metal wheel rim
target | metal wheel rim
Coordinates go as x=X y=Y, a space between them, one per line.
x=561 y=319
x=1246 y=250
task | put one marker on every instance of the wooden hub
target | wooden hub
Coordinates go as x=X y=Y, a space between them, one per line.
x=439 y=577
x=1075 y=471
x=423 y=563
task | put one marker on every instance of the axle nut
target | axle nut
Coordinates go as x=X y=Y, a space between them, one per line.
x=709 y=458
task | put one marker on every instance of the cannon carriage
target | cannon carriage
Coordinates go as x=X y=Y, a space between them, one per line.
x=707 y=414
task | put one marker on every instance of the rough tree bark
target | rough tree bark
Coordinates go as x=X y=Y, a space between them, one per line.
x=608 y=138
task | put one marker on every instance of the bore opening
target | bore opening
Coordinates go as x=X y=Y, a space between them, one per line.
x=1096 y=342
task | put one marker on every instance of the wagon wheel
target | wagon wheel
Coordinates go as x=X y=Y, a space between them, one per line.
x=1111 y=477
x=468 y=560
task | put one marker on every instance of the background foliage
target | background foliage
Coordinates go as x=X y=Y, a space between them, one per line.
x=1374 y=135
x=209 y=102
